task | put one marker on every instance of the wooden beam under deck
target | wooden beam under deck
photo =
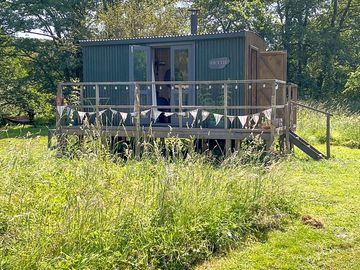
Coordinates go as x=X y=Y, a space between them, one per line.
x=169 y=132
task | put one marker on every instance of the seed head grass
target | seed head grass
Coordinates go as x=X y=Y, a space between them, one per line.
x=94 y=210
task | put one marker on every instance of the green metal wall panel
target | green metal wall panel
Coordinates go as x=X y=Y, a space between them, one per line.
x=106 y=63
x=218 y=48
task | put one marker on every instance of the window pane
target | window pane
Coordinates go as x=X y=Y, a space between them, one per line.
x=181 y=65
x=140 y=65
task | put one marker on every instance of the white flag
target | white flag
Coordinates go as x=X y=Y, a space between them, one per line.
x=256 y=118
x=144 y=113
x=194 y=113
x=167 y=114
x=101 y=112
x=231 y=118
x=81 y=116
x=267 y=114
x=114 y=112
x=60 y=110
x=124 y=115
x=243 y=119
x=133 y=114
x=155 y=114
x=204 y=115
x=217 y=118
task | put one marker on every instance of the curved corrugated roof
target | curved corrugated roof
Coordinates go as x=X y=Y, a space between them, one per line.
x=164 y=38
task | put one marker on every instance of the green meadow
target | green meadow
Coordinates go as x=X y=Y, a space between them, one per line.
x=92 y=210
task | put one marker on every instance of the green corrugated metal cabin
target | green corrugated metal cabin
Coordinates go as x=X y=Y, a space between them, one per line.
x=207 y=57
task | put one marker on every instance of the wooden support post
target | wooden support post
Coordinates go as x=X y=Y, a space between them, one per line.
x=227 y=141
x=59 y=96
x=287 y=120
x=137 y=118
x=180 y=106
x=97 y=101
x=327 y=136
x=273 y=114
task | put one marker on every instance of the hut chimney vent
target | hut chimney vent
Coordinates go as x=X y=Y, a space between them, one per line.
x=194 y=20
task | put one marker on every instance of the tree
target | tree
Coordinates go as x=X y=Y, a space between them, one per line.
x=135 y=18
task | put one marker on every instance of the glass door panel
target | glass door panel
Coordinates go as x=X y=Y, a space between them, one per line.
x=182 y=69
x=140 y=64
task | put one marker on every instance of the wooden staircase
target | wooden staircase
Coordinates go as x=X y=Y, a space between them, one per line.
x=305 y=146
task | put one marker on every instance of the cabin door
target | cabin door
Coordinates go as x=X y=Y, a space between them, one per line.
x=141 y=70
x=182 y=69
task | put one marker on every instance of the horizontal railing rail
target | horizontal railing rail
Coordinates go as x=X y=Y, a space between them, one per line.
x=328 y=116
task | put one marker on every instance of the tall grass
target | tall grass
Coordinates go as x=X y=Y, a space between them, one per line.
x=345 y=125
x=94 y=211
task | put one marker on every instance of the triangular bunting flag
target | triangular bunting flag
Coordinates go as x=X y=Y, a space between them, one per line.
x=124 y=115
x=69 y=112
x=204 y=115
x=114 y=112
x=217 y=118
x=81 y=116
x=101 y=112
x=231 y=118
x=243 y=119
x=267 y=114
x=167 y=114
x=256 y=118
x=155 y=114
x=144 y=113
x=60 y=110
x=194 y=113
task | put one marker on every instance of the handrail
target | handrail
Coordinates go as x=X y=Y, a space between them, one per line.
x=328 y=115
x=172 y=82
x=311 y=108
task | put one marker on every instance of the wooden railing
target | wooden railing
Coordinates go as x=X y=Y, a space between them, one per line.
x=328 y=116
x=279 y=94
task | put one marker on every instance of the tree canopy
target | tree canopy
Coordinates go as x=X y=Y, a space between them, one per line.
x=321 y=37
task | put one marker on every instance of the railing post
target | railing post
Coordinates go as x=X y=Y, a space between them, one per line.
x=97 y=100
x=180 y=106
x=227 y=141
x=327 y=136
x=287 y=121
x=58 y=103
x=137 y=118
x=273 y=112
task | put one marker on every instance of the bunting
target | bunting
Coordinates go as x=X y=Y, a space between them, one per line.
x=81 y=116
x=267 y=114
x=204 y=115
x=124 y=116
x=243 y=120
x=144 y=113
x=156 y=114
x=114 y=112
x=101 y=112
x=218 y=117
x=231 y=118
x=167 y=114
x=60 y=110
x=256 y=118
x=69 y=112
x=194 y=113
